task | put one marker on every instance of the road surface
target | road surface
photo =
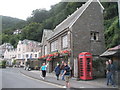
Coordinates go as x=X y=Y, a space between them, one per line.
x=12 y=78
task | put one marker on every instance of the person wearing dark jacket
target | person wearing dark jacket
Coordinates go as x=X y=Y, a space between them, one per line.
x=67 y=75
x=112 y=71
x=62 y=70
x=108 y=74
x=57 y=71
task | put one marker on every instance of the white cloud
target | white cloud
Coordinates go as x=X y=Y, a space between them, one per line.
x=23 y=8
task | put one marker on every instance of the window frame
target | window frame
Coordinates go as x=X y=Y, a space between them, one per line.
x=94 y=36
x=63 y=45
x=45 y=50
x=54 y=46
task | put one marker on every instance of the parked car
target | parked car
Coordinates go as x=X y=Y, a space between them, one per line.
x=32 y=65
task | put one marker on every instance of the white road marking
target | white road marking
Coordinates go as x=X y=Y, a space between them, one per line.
x=81 y=87
x=43 y=81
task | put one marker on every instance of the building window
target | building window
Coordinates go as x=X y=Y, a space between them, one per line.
x=35 y=55
x=30 y=55
x=45 y=49
x=54 y=46
x=64 y=41
x=32 y=50
x=23 y=49
x=95 y=36
x=19 y=55
x=27 y=55
x=23 y=56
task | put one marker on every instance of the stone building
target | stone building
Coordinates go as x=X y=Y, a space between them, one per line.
x=27 y=49
x=10 y=56
x=18 y=31
x=4 y=47
x=114 y=54
x=82 y=31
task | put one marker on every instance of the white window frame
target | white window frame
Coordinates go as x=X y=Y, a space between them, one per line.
x=54 y=46
x=45 y=50
x=19 y=55
x=64 y=41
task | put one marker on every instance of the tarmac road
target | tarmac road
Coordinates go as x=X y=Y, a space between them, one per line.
x=12 y=78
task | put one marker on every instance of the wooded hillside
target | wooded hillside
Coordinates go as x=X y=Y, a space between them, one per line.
x=43 y=19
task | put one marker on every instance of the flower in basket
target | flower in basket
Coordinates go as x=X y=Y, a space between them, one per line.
x=65 y=53
x=49 y=59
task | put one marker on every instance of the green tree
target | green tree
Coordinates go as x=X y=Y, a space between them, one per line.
x=38 y=16
x=14 y=62
x=5 y=38
x=3 y=64
x=32 y=31
x=112 y=34
x=14 y=40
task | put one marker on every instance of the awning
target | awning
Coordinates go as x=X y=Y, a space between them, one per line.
x=108 y=53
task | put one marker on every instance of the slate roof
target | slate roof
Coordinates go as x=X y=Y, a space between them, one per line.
x=108 y=53
x=70 y=20
x=111 y=51
x=115 y=48
x=26 y=41
x=47 y=33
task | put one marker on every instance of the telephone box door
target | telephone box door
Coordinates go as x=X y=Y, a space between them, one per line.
x=85 y=66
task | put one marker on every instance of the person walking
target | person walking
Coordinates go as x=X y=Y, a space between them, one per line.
x=112 y=71
x=62 y=70
x=43 y=69
x=108 y=74
x=57 y=71
x=66 y=73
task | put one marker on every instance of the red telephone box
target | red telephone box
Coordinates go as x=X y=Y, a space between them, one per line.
x=85 y=66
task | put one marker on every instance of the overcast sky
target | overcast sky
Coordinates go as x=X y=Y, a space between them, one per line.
x=23 y=8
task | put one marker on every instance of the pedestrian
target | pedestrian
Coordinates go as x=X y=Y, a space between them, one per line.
x=57 y=71
x=66 y=73
x=112 y=71
x=62 y=70
x=108 y=74
x=44 y=68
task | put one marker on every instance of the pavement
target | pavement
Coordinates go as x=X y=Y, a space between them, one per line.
x=51 y=78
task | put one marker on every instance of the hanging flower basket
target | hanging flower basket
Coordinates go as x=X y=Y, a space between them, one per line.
x=65 y=53
x=56 y=55
x=43 y=57
x=46 y=56
x=50 y=57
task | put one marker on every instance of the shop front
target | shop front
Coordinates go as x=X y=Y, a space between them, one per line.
x=56 y=57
